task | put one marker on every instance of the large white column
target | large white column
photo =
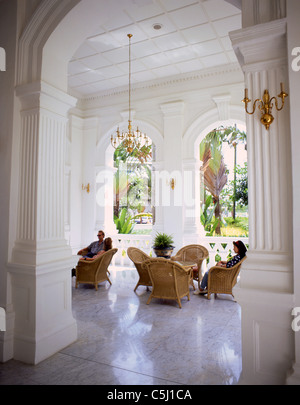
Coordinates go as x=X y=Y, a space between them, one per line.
x=265 y=288
x=157 y=191
x=293 y=18
x=193 y=230
x=41 y=260
x=105 y=200
x=88 y=214
x=75 y=198
x=173 y=134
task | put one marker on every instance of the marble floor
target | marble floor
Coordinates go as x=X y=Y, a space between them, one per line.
x=123 y=341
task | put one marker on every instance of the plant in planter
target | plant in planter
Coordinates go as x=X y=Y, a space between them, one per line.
x=163 y=245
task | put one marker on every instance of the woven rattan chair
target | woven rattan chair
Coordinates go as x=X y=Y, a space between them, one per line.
x=193 y=253
x=137 y=256
x=169 y=279
x=94 y=272
x=221 y=280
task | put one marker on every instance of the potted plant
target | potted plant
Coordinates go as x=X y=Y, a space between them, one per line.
x=163 y=245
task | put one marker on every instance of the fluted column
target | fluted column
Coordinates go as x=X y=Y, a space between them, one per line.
x=265 y=288
x=105 y=200
x=156 y=186
x=41 y=260
x=40 y=225
x=173 y=115
x=88 y=213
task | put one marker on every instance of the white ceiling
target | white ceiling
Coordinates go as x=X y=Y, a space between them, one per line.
x=194 y=36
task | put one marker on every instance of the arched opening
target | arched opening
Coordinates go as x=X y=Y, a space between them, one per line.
x=60 y=81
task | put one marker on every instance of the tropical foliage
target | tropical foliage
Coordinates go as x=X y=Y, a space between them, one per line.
x=162 y=241
x=215 y=173
x=132 y=186
x=215 y=176
x=124 y=223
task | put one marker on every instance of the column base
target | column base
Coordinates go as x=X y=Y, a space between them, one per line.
x=33 y=351
x=267 y=336
x=42 y=302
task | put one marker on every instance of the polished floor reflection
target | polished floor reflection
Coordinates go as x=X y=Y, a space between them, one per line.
x=123 y=341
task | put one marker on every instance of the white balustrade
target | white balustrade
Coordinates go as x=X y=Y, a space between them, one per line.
x=216 y=246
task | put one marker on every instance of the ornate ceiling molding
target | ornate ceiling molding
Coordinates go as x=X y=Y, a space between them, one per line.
x=201 y=77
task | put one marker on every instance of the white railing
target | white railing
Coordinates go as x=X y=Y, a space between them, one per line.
x=218 y=247
x=122 y=242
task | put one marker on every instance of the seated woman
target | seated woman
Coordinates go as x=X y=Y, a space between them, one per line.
x=240 y=250
x=107 y=246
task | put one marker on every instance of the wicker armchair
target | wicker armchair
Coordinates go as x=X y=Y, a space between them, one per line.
x=137 y=256
x=94 y=272
x=221 y=280
x=193 y=253
x=169 y=279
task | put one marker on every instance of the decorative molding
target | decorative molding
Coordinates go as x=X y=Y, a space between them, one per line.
x=260 y=43
x=46 y=17
x=199 y=76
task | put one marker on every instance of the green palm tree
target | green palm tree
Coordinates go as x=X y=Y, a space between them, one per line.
x=215 y=172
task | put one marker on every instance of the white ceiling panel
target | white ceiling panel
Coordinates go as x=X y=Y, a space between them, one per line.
x=215 y=60
x=207 y=48
x=218 y=9
x=103 y=42
x=223 y=27
x=154 y=61
x=147 y=11
x=90 y=76
x=164 y=71
x=188 y=16
x=170 y=41
x=167 y=26
x=119 y=19
x=77 y=67
x=144 y=48
x=180 y=54
x=96 y=61
x=84 y=51
x=176 y=4
x=193 y=35
x=190 y=65
x=199 y=33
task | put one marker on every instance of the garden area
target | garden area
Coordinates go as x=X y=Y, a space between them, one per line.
x=224 y=186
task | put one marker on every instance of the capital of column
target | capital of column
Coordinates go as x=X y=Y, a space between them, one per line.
x=260 y=46
x=41 y=95
x=223 y=102
x=172 y=109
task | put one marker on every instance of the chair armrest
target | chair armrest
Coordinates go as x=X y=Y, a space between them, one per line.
x=83 y=252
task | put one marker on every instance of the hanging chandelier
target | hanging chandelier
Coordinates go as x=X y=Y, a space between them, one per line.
x=133 y=141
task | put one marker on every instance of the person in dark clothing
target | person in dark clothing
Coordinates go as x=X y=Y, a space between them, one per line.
x=240 y=250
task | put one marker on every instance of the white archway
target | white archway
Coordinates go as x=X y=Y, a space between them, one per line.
x=42 y=326
x=204 y=124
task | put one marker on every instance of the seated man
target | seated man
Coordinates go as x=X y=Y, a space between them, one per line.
x=93 y=249
x=107 y=245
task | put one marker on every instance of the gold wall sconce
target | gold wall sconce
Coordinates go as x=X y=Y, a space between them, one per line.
x=266 y=105
x=172 y=183
x=86 y=188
